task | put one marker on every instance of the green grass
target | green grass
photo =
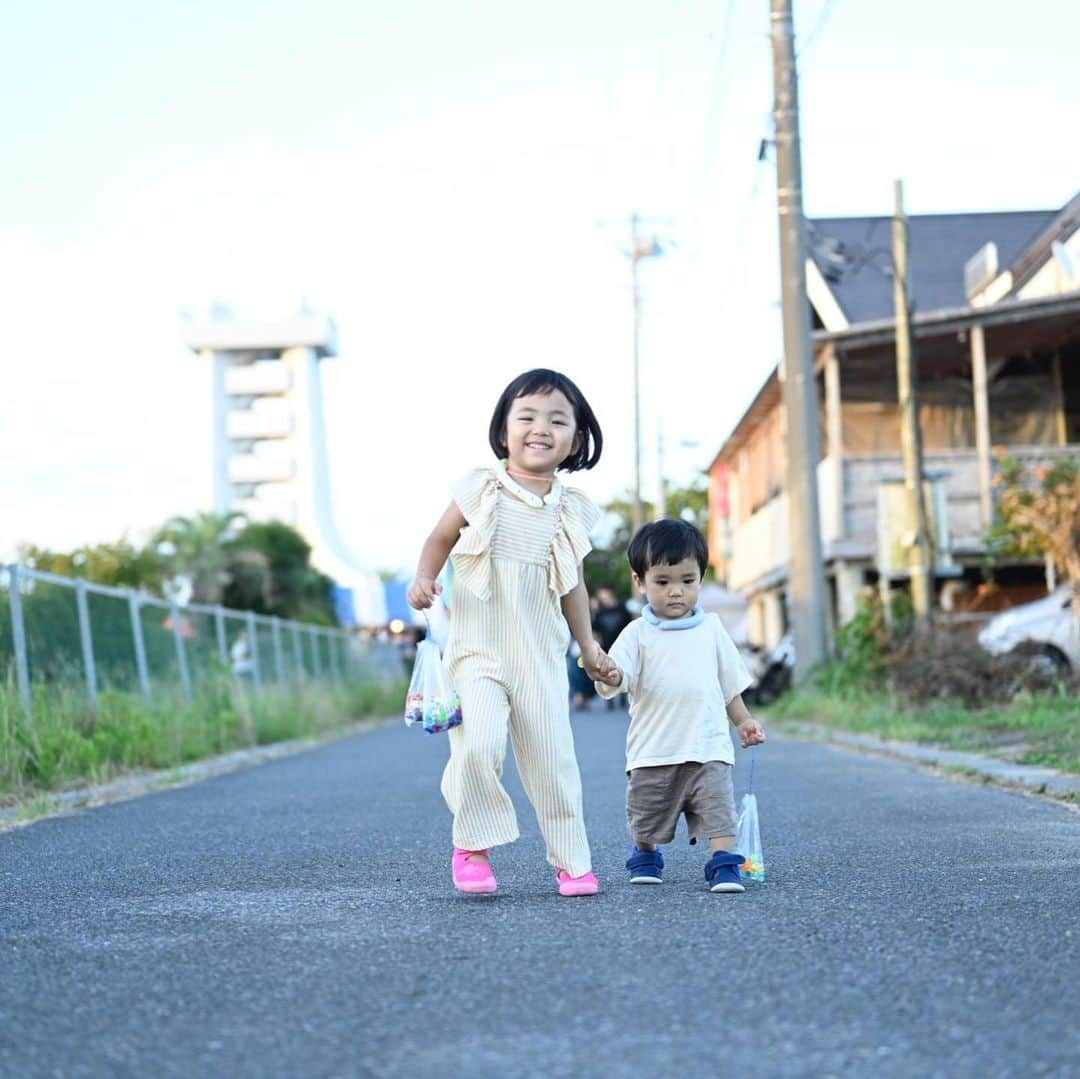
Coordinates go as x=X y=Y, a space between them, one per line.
x=68 y=744
x=1042 y=730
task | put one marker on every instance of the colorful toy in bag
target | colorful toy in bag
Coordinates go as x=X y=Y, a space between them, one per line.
x=431 y=701
x=748 y=833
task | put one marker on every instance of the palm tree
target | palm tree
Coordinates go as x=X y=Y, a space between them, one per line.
x=198 y=548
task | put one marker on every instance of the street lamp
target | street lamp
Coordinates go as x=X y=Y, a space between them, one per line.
x=641 y=247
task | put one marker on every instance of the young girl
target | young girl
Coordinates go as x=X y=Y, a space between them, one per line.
x=517 y=537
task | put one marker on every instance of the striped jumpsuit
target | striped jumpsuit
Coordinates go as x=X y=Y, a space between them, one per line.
x=507 y=659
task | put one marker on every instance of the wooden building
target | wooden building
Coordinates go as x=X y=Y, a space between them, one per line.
x=997 y=340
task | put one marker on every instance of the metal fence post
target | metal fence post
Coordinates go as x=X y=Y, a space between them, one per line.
x=18 y=636
x=333 y=640
x=313 y=635
x=87 y=639
x=279 y=658
x=253 y=641
x=222 y=642
x=298 y=654
x=344 y=657
x=325 y=635
x=335 y=653
x=140 y=645
x=181 y=653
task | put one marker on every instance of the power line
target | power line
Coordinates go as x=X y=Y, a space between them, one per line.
x=822 y=21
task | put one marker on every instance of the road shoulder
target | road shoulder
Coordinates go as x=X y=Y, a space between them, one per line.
x=57 y=803
x=959 y=764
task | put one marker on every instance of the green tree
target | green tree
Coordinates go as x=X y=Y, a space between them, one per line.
x=120 y=564
x=606 y=564
x=1039 y=516
x=198 y=547
x=269 y=571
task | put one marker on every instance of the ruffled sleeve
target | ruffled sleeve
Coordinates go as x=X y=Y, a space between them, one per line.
x=578 y=516
x=476 y=496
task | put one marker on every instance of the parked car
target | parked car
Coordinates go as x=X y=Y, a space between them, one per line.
x=1046 y=629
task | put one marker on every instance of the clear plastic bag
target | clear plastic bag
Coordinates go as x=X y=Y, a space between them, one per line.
x=431 y=701
x=748 y=839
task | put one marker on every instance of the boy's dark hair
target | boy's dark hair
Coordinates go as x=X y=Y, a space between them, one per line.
x=543 y=380
x=665 y=542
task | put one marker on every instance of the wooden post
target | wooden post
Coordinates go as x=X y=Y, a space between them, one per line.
x=1059 y=398
x=980 y=388
x=920 y=558
x=834 y=427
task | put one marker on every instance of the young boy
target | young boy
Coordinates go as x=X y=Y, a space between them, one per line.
x=684 y=677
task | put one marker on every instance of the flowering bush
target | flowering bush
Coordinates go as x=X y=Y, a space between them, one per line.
x=1040 y=516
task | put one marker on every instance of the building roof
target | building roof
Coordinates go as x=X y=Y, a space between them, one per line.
x=853 y=255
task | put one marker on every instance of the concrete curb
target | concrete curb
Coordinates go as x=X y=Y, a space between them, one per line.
x=56 y=803
x=1025 y=777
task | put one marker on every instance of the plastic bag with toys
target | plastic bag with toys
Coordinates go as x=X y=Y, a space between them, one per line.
x=748 y=832
x=432 y=702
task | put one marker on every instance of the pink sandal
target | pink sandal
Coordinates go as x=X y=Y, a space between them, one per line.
x=474 y=877
x=586 y=884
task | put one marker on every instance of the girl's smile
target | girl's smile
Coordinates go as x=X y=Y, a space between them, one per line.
x=540 y=433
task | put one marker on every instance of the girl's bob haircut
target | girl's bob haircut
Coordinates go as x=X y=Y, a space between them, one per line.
x=543 y=380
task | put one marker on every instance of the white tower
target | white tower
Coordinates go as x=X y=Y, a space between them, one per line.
x=270 y=458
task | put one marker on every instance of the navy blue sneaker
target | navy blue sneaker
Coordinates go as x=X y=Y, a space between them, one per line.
x=646 y=866
x=722 y=872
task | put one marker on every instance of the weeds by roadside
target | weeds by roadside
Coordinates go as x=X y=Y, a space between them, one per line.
x=1043 y=730
x=942 y=689
x=67 y=743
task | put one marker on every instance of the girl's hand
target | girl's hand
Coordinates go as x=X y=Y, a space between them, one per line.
x=599 y=665
x=422 y=592
x=751 y=733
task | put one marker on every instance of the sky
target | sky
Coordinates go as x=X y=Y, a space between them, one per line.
x=452 y=184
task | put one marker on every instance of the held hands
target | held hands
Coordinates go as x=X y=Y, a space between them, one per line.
x=599 y=666
x=751 y=733
x=422 y=592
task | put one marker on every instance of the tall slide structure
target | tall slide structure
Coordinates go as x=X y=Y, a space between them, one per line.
x=270 y=459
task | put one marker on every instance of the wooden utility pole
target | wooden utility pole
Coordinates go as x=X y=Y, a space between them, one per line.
x=634 y=242
x=806 y=581
x=641 y=247
x=920 y=558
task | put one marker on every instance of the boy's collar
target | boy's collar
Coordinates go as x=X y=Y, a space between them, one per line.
x=694 y=618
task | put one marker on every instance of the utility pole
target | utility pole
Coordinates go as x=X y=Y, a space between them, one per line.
x=661 y=486
x=634 y=222
x=806 y=593
x=907 y=383
x=641 y=247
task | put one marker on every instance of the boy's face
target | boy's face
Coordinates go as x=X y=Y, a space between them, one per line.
x=671 y=591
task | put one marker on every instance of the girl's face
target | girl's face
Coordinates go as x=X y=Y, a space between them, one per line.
x=541 y=432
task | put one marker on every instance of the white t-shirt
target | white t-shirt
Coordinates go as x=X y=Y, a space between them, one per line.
x=679 y=682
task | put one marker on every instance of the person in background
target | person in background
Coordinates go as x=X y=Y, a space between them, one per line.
x=610 y=618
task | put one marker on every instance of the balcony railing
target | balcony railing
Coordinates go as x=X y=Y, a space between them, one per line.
x=760 y=545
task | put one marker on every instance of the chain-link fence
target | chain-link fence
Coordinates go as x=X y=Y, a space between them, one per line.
x=58 y=631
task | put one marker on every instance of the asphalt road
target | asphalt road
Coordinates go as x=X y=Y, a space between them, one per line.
x=297 y=919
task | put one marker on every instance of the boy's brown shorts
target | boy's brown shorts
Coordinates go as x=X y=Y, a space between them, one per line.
x=704 y=793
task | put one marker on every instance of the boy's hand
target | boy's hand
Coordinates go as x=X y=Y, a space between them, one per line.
x=422 y=592
x=599 y=665
x=751 y=733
